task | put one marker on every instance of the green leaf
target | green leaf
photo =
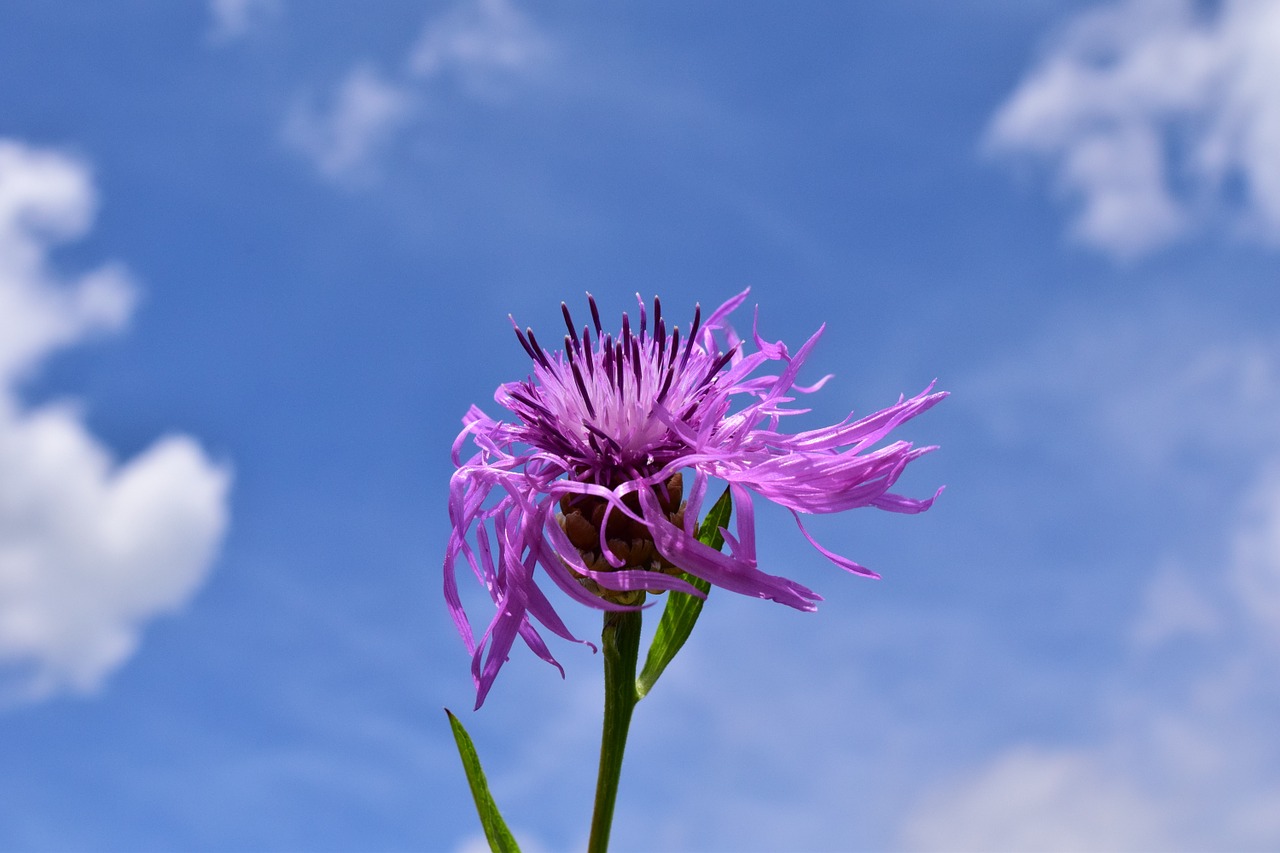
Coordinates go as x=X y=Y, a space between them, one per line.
x=495 y=828
x=682 y=608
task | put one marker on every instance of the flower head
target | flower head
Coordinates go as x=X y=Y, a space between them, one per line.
x=589 y=473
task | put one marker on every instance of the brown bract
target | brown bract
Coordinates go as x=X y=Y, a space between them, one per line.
x=627 y=539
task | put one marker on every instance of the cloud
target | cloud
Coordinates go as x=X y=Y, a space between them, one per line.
x=483 y=38
x=90 y=549
x=1188 y=757
x=1157 y=117
x=1161 y=389
x=362 y=116
x=1180 y=748
x=236 y=19
x=1032 y=800
x=480 y=45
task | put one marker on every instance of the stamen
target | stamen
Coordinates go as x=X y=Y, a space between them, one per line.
x=688 y=348
x=520 y=337
x=617 y=357
x=582 y=388
x=529 y=401
x=642 y=317
x=720 y=362
x=660 y=333
x=587 y=354
x=675 y=343
x=666 y=383
x=571 y=346
x=595 y=314
x=537 y=350
x=568 y=320
x=626 y=329
x=591 y=428
x=693 y=335
x=635 y=361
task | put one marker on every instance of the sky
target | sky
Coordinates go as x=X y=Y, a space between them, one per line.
x=257 y=259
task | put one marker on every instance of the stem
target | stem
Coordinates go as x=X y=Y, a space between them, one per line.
x=621 y=642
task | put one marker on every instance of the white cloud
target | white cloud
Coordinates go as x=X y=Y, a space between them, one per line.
x=482 y=45
x=90 y=549
x=1031 y=800
x=235 y=19
x=478 y=39
x=1188 y=758
x=343 y=140
x=1155 y=115
x=1181 y=750
x=1158 y=388
x=1175 y=606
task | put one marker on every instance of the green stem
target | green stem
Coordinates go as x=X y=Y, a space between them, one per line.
x=621 y=642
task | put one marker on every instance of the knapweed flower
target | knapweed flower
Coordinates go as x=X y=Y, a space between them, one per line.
x=589 y=473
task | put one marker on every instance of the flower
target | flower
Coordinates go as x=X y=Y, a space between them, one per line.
x=605 y=430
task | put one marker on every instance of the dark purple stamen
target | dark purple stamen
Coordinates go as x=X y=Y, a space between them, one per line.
x=719 y=363
x=635 y=360
x=587 y=354
x=528 y=401
x=597 y=432
x=520 y=336
x=666 y=383
x=582 y=387
x=595 y=314
x=693 y=334
x=568 y=320
x=537 y=350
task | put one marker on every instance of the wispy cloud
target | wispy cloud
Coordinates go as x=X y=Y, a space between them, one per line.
x=343 y=138
x=236 y=19
x=1179 y=749
x=90 y=549
x=1157 y=117
x=480 y=47
x=1186 y=758
x=485 y=38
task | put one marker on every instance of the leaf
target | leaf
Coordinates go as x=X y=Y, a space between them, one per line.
x=495 y=828
x=682 y=608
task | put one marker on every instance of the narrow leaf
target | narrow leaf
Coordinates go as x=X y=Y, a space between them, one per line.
x=682 y=608
x=495 y=828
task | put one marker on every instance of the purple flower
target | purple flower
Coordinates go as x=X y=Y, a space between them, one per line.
x=589 y=473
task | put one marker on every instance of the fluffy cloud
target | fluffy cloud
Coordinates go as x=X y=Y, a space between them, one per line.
x=90 y=549
x=481 y=45
x=1157 y=116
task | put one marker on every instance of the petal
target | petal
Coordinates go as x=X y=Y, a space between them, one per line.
x=843 y=562
x=722 y=570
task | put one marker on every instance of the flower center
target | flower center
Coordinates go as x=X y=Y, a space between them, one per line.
x=604 y=405
x=584 y=516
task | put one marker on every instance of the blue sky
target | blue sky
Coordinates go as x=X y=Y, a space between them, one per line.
x=256 y=260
